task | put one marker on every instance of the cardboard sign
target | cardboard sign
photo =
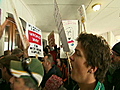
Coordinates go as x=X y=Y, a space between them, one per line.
x=34 y=36
x=51 y=39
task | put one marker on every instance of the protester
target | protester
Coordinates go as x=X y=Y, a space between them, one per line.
x=90 y=62
x=113 y=75
x=6 y=52
x=50 y=69
x=7 y=78
x=28 y=73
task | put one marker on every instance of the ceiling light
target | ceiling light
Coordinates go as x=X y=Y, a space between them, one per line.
x=96 y=7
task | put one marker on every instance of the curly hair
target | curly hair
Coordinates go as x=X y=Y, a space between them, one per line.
x=97 y=53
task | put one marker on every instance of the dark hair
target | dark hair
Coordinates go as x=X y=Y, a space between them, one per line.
x=116 y=48
x=7 y=52
x=46 y=49
x=97 y=53
x=5 y=61
x=50 y=59
x=17 y=51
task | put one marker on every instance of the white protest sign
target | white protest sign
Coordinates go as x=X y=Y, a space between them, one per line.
x=34 y=36
x=60 y=27
x=83 y=17
x=71 y=30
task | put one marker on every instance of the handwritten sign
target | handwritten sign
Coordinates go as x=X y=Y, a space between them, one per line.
x=35 y=38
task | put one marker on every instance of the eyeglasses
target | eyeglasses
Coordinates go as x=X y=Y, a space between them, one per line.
x=27 y=68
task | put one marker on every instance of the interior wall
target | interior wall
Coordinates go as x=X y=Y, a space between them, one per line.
x=21 y=9
x=110 y=38
x=16 y=8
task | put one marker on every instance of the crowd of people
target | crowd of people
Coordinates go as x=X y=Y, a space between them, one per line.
x=94 y=67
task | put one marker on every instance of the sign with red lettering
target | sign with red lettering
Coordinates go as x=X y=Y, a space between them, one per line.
x=71 y=31
x=34 y=36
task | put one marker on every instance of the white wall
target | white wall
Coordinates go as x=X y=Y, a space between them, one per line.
x=15 y=7
x=21 y=9
x=111 y=37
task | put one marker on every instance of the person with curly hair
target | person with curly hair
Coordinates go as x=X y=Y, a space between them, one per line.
x=90 y=62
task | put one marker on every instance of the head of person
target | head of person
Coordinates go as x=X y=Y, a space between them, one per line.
x=5 y=66
x=18 y=52
x=28 y=73
x=48 y=62
x=7 y=52
x=116 y=53
x=91 y=59
x=58 y=61
x=47 y=50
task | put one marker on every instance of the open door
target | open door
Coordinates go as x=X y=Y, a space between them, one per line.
x=12 y=38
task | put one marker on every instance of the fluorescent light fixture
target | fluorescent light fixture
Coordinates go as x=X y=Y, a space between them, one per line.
x=96 y=7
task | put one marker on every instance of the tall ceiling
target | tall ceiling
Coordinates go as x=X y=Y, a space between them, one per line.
x=106 y=19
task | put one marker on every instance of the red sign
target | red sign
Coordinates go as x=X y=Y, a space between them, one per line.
x=34 y=37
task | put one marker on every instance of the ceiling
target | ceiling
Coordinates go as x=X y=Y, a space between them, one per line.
x=106 y=19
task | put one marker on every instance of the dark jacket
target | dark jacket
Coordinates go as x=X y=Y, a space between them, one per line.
x=4 y=85
x=116 y=79
x=112 y=80
x=53 y=71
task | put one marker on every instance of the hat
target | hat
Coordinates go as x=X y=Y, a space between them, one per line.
x=35 y=67
x=116 y=48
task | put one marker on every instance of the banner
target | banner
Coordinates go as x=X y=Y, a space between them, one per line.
x=34 y=36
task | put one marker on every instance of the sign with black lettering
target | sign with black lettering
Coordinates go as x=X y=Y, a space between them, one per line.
x=35 y=38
